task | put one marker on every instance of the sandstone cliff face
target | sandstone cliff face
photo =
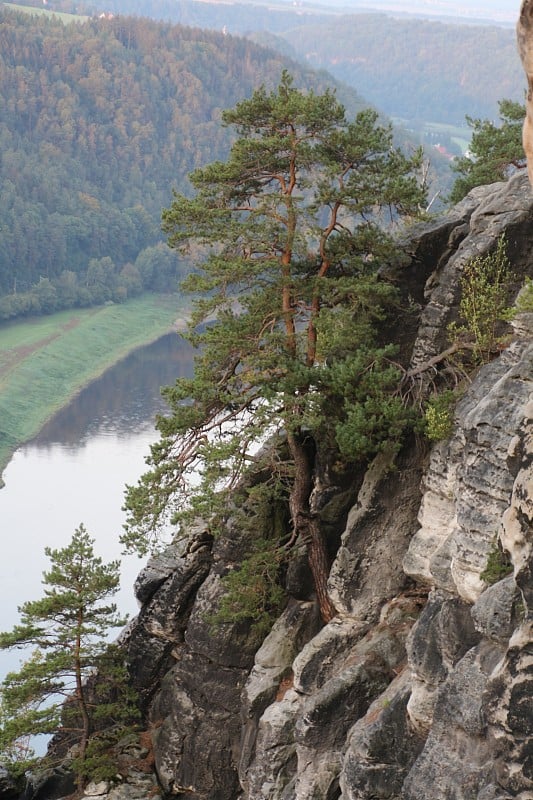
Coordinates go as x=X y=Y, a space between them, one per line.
x=421 y=688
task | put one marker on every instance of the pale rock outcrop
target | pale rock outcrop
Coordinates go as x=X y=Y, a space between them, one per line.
x=467 y=483
x=381 y=746
x=524 y=36
x=377 y=704
x=269 y=684
x=477 y=709
x=421 y=688
x=301 y=737
x=379 y=524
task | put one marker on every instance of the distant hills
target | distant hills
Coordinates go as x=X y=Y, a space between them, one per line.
x=99 y=121
x=411 y=68
x=503 y=12
x=416 y=69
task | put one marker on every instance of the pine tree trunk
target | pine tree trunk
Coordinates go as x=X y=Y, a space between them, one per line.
x=306 y=524
x=82 y=705
x=319 y=564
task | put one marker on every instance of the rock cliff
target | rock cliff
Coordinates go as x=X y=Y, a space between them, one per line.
x=421 y=688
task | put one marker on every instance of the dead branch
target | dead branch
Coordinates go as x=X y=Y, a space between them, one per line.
x=432 y=362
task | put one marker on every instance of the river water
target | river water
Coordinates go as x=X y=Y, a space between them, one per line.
x=75 y=472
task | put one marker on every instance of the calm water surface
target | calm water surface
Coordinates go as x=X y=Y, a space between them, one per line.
x=75 y=472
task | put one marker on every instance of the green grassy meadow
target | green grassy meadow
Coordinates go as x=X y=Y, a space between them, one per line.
x=46 y=361
x=64 y=17
x=460 y=134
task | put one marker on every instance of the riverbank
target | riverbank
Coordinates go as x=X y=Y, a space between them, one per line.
x=46 y=361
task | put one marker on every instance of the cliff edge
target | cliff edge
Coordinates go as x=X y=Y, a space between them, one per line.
x=421 y=687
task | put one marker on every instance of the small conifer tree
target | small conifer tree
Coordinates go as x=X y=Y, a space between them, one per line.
x=55 y=691
x=493 y=151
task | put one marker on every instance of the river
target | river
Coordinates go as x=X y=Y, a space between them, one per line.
x=75 y=472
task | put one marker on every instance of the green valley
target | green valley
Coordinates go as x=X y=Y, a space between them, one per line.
x=100 y=121
x=45 y=361
x=64 y=17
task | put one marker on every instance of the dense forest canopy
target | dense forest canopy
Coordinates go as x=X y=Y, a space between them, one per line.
x=99 y=121
x=237 y=18
x=408 y=67
x=416 y=68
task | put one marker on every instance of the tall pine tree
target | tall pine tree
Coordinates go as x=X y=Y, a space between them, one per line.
x=295 y=226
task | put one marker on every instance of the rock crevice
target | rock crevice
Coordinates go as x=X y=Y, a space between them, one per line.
x=421 y=687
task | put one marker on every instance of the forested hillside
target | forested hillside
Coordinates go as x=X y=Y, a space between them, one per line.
x=99 y=121
x=408 y=67
x=416 y=69
x=237 y=18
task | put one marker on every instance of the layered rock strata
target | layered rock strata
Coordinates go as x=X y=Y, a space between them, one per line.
x=421 y=687
x=402 y=695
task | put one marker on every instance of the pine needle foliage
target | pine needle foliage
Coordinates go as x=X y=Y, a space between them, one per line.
x=499 y=564
x=253 y=591
x=493 y=152
x=54 y=691
x=524 y=301
x=438 y=415
x=295 y=225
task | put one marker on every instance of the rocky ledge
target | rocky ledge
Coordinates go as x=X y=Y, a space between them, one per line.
x=421 y=687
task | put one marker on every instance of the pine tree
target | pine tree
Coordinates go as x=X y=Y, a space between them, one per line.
x=54 y=690
x=294 y=225
x=494 y=149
